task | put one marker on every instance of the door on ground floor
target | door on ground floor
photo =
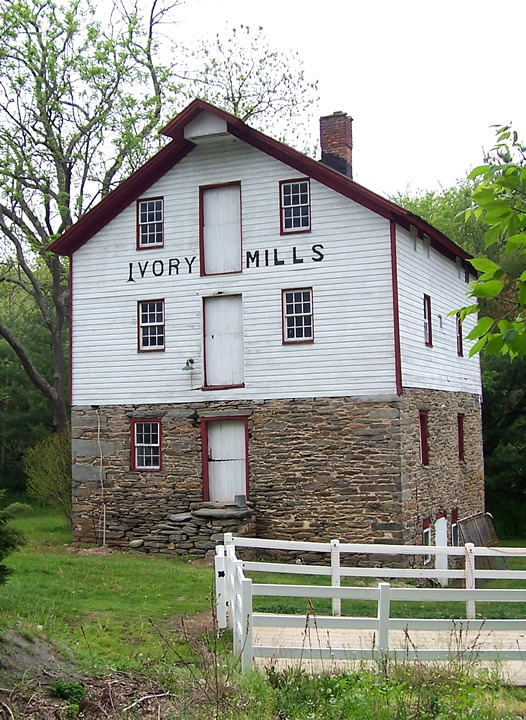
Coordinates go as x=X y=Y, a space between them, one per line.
x=225 y=458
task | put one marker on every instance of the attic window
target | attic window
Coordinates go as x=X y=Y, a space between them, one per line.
x=150 y=223
x=295 y=206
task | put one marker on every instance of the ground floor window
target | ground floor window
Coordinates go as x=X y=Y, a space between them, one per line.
x=426 y=538
x=146 y=445
x=455 y=536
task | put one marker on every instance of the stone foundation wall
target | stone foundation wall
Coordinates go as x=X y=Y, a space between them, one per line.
x=320 y=468
x=446 y=482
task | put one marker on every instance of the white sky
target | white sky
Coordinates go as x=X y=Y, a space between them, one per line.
x=423 y=80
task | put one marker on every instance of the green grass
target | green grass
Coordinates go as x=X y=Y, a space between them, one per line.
x=101 y=606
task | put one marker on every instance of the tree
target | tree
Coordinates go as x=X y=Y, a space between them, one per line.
x=499 y=200
x=242 y=74
x=80 y=102
x=10 y=538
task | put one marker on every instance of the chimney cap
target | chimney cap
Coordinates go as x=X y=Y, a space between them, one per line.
x=335 y=114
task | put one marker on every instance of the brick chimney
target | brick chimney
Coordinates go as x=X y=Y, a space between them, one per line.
x=336 y=142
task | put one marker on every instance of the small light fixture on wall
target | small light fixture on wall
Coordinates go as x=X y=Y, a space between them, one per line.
x=189 y=365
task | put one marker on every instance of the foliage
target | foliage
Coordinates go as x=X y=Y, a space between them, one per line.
x=25 y=416
x=81 y=99
x=445 y=210
x=11 y=538
x=241 y=73
x=499 y=200
x=48 y=469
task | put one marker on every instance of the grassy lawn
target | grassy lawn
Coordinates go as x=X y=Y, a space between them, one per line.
x=120 y=611
x=100 y=606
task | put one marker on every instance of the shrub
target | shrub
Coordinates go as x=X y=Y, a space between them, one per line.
x=10 y=538
x=48 y=470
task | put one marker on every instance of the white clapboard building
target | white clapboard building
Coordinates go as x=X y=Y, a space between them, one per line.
x=261 y=344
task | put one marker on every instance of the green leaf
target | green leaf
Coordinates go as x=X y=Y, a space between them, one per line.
x=492 y=235
x=477 y=347
x=487 y=288
x=522 y=292
x=510 y=335
x=515 y=241
x=483 y=326
x=480 y=170
x=485 y=265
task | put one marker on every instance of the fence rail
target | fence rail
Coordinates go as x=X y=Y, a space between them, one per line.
x=235 y=593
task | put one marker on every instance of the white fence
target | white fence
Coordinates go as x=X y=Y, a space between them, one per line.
x=235 y=592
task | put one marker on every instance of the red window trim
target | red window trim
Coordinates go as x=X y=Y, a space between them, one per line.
x=424 y=440
x=284 y=340
x=138 y=245
x=428 y=336
x=133 y=423
x=202 y=188
x=282 y=230
x=205 y=386
x=460 y=342
x=204 y=451
x=153 y=349
x=460 y=435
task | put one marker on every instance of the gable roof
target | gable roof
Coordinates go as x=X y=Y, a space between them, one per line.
x=135 y=185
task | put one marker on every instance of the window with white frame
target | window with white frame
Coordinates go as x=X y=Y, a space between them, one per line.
x=426 y=538
x=295 y=206
x=298 y=319
x=455 y=535
x=150 y=221
x=146 y=445
x=428 y=328
x=151 y=325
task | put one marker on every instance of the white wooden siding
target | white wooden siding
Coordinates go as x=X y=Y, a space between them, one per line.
x=353 y=349
x=426 y=271
x=224 y=340
x=222 y=229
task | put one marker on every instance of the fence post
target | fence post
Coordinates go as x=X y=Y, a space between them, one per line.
x=220 y=580
x=441 y=560
x=230 y=557
x=469 y=569
x=237 y=607
x=384 y=602
x=335 y=575
x=246 y=619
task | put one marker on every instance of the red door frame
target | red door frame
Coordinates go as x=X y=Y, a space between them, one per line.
x=204 y=451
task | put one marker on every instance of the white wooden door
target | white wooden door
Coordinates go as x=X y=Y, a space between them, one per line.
x=224 y=363
x=222 y=229
x=226 y=460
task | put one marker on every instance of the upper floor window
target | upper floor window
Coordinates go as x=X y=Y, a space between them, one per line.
x=146 y=445
x=460 y=344
x=295 y=206
x=150 y=324
x=298 y=322
x=428 y=329
x=150 y=223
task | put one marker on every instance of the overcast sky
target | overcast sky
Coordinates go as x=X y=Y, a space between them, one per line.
x=423 y=80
